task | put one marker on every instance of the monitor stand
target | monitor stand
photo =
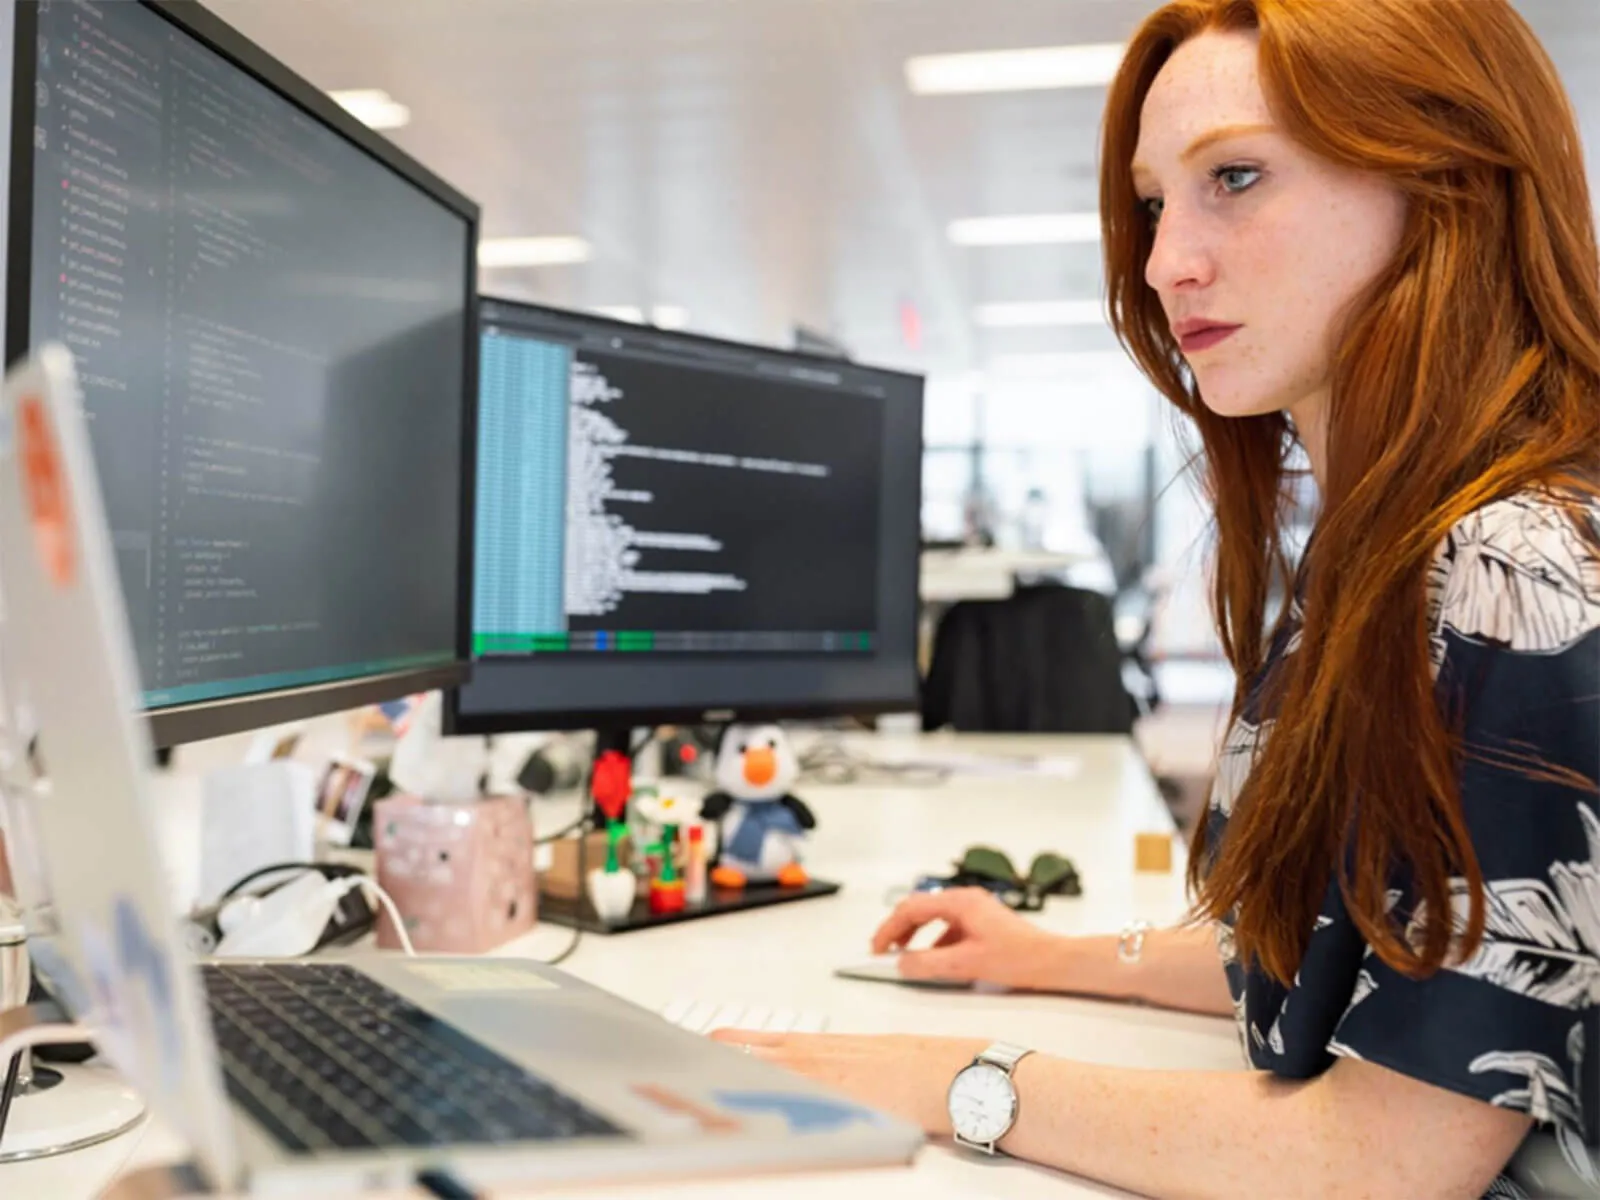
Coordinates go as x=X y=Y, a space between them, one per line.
x=579 y=913
x=68 y=1108
x=45 y=1111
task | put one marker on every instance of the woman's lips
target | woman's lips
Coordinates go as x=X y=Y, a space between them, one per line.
x=1206 y=337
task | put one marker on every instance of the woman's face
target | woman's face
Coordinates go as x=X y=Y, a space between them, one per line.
x=1259 y=245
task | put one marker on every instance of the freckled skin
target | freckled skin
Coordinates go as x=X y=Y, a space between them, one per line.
x=1283 y=257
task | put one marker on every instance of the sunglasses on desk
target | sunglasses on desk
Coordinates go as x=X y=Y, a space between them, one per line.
x=1049 y=874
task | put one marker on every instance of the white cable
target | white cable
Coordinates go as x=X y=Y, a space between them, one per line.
x=369 y=885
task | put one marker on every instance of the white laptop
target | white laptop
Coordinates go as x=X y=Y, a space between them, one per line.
x=303 y=1077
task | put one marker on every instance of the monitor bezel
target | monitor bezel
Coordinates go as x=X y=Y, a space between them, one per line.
x=180 y=723
x=459 y=723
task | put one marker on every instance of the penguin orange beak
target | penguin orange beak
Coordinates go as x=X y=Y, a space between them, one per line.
x=760 y=766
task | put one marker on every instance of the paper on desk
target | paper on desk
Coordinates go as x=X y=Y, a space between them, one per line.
x=967 y=762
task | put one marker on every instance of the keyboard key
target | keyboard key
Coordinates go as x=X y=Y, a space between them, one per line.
x=698 y=1018
x=757 y=1016
x=676 y=1011
x=729 y=1016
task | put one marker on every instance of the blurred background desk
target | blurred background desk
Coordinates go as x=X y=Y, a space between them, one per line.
x=1087 y=801
x=979 y=573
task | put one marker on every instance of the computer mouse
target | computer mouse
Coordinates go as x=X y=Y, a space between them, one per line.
x=887 y=970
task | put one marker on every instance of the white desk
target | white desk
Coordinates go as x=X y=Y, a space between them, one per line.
x=874 y=839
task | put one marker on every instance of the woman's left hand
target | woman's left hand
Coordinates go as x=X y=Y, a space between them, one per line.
x=903 y=1075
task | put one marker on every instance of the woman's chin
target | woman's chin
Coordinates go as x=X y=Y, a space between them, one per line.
x=1236 y=405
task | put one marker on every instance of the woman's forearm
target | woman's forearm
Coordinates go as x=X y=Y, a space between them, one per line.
x=1167 y=1134
x=1177 y=968
x=1357 y=1130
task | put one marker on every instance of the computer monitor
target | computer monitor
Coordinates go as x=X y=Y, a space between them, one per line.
x=677 y=529
x=272 y=313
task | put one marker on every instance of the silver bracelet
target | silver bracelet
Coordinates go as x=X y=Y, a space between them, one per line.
x=1130 y=945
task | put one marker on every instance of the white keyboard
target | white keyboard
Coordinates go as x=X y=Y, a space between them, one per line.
x=702 y=1016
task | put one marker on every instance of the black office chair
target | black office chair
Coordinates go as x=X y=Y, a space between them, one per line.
x=1045 y=660
x=1123 y=527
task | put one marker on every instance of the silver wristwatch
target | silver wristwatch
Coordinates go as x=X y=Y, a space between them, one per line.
x=983 y=1098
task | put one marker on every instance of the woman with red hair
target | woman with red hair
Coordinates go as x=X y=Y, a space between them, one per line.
x=1357 y=231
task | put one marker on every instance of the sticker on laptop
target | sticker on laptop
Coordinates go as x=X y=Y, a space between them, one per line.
x=131 y=985
x=477 y=976
x=802 y=1114
x=676 y=1104
x=44 y=482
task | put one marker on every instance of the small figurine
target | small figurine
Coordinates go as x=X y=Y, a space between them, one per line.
x=653 y=808
x=760 y=823
x=655 y=818
x=611 y=889
x=696 y=875
x=666 y=888
x=611 y=787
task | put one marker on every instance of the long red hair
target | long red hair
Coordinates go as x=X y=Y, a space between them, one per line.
x=1469 y=371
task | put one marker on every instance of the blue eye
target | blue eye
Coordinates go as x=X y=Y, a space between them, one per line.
x=1152 y=208
x=1236 y=179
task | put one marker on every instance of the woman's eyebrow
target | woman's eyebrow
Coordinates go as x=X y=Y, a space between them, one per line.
x=1209 y=138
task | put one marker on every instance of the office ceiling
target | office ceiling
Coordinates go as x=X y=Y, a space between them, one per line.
x=762 y=162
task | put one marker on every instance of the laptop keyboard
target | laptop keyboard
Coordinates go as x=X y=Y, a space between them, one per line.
x=327 y=1058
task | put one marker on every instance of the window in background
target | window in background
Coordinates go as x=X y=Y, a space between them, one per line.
x=948 y=476
x=1089 y=453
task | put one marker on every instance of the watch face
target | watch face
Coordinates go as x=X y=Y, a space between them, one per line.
x=983 y=1104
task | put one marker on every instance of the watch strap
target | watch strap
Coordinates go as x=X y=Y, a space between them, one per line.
x=1004 y=1055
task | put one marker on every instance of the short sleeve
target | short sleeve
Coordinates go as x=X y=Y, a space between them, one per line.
x=1517 y=652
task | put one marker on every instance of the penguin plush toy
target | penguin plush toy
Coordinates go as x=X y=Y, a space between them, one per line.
x=760 y=824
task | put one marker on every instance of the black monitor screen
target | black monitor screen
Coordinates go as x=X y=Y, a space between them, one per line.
x=272 y=327
x=668 y=525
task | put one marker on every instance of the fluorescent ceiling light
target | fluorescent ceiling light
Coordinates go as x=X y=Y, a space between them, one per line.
x=1032 y=69
x=532 y=251
x=1043 y=312
x=631 y=313
x=669 y=316
x=373 y=107
x=1037 y=229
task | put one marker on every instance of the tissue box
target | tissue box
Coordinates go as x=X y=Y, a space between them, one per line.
x=460 y=874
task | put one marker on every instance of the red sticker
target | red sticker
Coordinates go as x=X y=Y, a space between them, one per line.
x=44 y=483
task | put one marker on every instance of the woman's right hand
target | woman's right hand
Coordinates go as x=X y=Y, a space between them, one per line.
x=984 y=941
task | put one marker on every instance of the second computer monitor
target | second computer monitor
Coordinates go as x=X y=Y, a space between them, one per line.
x=676 y=528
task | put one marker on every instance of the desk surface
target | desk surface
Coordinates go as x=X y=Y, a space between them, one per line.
x=876 y=838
